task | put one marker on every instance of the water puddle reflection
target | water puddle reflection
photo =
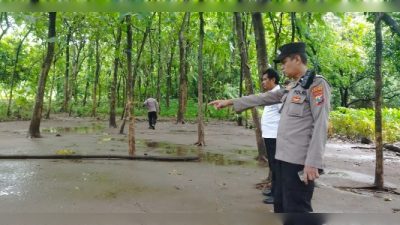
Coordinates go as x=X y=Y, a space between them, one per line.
x=208 y=157
x=93 y=128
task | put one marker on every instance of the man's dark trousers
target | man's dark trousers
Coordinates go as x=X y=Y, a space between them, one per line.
x=270 y=145
x=152 y=118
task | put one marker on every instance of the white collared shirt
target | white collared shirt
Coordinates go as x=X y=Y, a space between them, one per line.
x=270 y=119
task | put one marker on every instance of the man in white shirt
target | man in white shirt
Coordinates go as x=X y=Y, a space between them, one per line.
x=152 y=109
x=269 y=127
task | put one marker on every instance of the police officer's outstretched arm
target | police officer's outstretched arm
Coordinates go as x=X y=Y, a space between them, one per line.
x=246 y=102
x=320 y=95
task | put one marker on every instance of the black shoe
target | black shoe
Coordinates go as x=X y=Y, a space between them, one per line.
x=152 y=127
x=269 y=200
x=267 y=192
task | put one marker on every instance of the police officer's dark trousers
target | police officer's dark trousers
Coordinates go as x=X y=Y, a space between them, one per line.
x=292 y=195
x=152 y=116
x=270 y=145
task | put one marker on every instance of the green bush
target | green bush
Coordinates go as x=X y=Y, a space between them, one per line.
x=357 y=123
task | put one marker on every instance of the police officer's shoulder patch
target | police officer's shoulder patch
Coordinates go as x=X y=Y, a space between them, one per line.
x=318 y=94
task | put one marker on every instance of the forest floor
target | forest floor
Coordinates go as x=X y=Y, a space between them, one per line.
x=224 y=181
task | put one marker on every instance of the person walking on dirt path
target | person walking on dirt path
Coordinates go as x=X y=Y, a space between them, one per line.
x=302 y=130
x=269 y=127
x=152 y=109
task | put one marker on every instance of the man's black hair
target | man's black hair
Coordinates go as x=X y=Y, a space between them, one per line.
x=271 y=73
x=303 y=57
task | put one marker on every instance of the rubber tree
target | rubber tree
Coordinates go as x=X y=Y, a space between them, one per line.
x=34 y=127
x=200 y=116
x=249 y=82
x=183 y=86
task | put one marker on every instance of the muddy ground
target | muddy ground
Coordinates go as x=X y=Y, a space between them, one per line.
x=222 y=183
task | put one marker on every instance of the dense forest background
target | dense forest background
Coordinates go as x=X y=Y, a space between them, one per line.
x=89 y=76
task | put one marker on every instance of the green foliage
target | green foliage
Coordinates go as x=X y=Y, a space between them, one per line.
x=357 y=123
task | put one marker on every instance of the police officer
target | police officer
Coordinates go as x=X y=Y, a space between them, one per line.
x=302 y=131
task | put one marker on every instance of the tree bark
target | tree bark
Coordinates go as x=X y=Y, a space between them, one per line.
x=76 y=66
x=378 y=102
x=293 y=23
x=129 y=108
x=4 y=31
x=66 y=78
x=159 y=71
x=34 y=128
x=261 y=46
x=51 y=88
x=182 y=70
x=394 y=26
x=249 y=83
x=169 y=75
x=112 y=121
x=96 y=77
x=200 y=116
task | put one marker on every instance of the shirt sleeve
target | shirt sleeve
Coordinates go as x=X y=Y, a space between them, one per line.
x=320 y=95
x=267 y=98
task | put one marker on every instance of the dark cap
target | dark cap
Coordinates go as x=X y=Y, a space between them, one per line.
x=289 y=49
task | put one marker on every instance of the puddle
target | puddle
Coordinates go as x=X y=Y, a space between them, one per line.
x=208 y=157
x=79 y=130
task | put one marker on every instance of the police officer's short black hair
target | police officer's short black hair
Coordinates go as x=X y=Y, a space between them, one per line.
x=271 y=73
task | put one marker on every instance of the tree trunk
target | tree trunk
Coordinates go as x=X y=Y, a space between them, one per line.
x=159 y=61
x=129 y=104
x=34 y=128
x=261 y=46
x=169 y=75
x=182 y=70
x=4 y=31
x=66 y=79
x=51 y=89
x=200 y=116
x=249 y=83
x=378 y=102
x=277 y=32
x=96 y=77
x=293 y=23
x=76 y=67
x=112 y=121
x=262 y=65
x=15 y=71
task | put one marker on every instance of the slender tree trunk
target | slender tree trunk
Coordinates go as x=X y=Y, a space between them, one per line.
x=34 y=128
x=15 y=71
x=249 y=83
x=76 y=67
x=66 y=80
x=96 y=77
x=262 y=65
x=293 y=23
x=112 y=121
x=378 y=102
x=88 y=76
x=182 y=70
x=200 y=116
x=131 y=134
x=261 y=46
x=169 y=75
x=51 y=88
x=4 y=31
x=277 y=31
x=159 y=61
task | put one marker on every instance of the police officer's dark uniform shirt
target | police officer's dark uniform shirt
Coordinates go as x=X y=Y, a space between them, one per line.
x=302 y=131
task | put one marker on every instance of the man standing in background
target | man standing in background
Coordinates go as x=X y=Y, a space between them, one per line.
x=269 y=127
